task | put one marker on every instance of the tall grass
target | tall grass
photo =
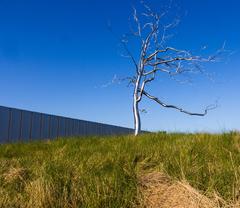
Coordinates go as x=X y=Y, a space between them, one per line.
x=103 y=171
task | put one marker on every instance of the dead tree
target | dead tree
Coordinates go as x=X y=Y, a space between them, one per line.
x=154 y=57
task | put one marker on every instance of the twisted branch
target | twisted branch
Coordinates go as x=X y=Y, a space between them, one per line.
x=208 y=108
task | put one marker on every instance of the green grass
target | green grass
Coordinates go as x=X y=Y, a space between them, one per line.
x=102 y=172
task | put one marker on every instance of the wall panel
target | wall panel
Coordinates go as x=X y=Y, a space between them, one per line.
x=21 y=125
x=4 y=124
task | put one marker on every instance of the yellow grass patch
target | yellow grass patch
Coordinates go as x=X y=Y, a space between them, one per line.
x=159 y=191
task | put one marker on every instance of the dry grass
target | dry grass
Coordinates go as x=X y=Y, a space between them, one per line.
x=14 y=173
x=40 y=193
x=159 y=191
x=101 y=172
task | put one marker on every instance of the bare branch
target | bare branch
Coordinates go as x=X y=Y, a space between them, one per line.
x=129 y=54
x=146 y=43
x=150 y=57
x=208 y=108
x=131 y=80
x=173 y=60
x=124 y=44
x=143 y=86
x=136 y=19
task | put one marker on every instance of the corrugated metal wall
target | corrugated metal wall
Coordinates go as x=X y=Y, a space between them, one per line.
x=21 y=125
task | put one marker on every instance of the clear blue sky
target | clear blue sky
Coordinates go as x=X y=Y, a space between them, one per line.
x=56 y=55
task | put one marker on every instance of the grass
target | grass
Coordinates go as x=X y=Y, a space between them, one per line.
x=102 y=171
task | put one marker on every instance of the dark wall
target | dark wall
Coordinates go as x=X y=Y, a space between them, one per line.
x=21 y=125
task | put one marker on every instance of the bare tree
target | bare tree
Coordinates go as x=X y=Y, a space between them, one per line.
x=155 y=56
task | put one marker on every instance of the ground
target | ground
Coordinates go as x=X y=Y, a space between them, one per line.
x=152 y=170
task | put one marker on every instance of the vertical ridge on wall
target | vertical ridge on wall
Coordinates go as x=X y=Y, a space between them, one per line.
x=22 y=125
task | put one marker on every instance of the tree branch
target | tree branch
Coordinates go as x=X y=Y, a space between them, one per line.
x=151 y=56
x=210 y=107
x=123 y=42
x=136 y=19
x=143 y=86
x=129 y=54
x=163 y=61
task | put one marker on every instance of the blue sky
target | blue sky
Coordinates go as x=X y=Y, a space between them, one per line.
x=55 y=56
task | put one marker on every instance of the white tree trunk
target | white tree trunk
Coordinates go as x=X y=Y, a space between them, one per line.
x=137 y=119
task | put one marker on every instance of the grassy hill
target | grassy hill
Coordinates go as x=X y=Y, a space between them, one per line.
x=104 y=171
